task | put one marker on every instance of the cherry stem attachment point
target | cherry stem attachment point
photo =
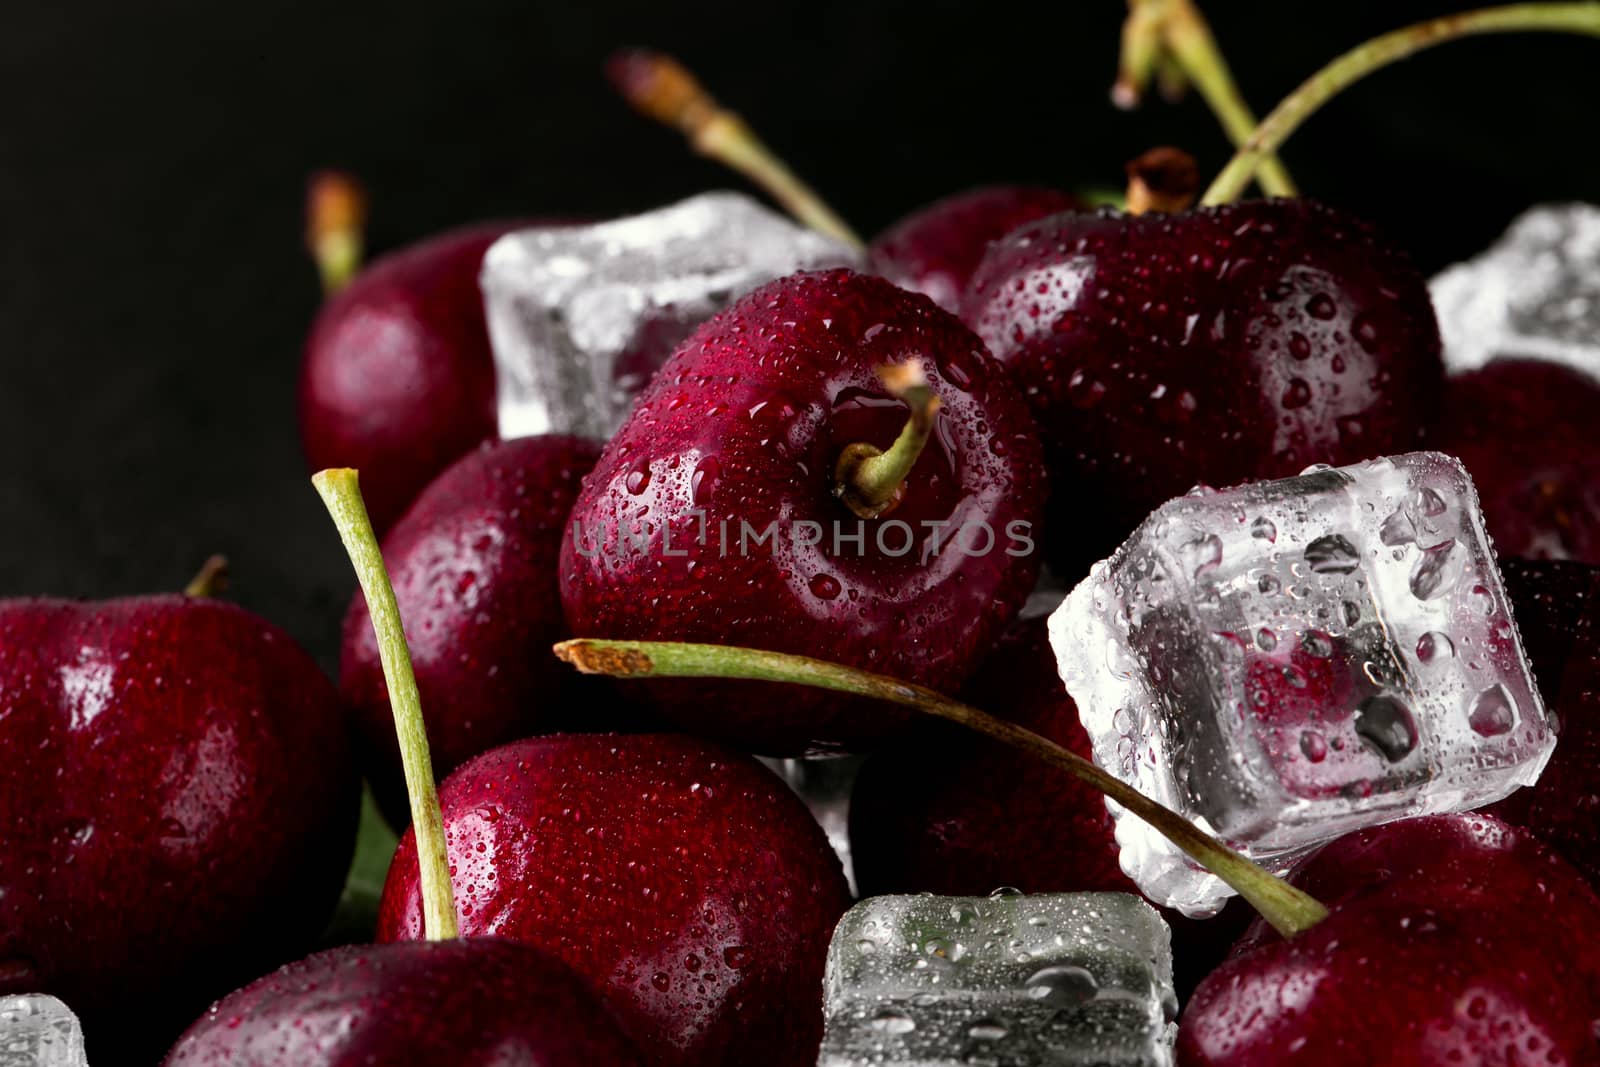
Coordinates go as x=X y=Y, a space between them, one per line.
x=870 y=481
x=1163 y=179
x=336 y=219
x=210 y=580
x=1364 y=59
x=661 y=88
x=1288 y=909
x=1171 y=41
x=341 y=493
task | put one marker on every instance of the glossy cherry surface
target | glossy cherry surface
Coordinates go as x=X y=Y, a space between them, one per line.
x=1216 y=346
x=177 y=808
x=711 y=515
x=682 y=881
x=1452 y=940
x=935 y=249
x=1527 y=432
x=473 y=563
x=397 y=379
x=1557 y=607
x=479 y=1002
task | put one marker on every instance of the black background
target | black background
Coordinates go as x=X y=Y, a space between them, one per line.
x=153 y=290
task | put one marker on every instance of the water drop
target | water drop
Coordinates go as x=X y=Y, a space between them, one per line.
x=1387 y=725
x=1429 y=576
x=1493 y=713
x=890 y=1021
x=1061 y=985
x=638 y=478
x=1321 y=307
x=1434 y=645
x=1317 y=643
x=987 y=1030
x=1296 y=395
x=1332 y=554
x=1266 y=640
x=1263 y=530
x=824 y=587
x=1314 y=745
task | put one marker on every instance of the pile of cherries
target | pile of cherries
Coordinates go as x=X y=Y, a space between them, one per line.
x=631 y=886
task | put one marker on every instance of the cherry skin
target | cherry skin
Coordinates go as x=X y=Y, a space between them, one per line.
x=177 y=811
x=1526 y=431
x=479 y=1002
x=683 y=882
x=1452 y=940
x=1217 y=346
x=397 y=379
x=731 y=454
x=1555 y=605
x=473 y=563
x=935 y=249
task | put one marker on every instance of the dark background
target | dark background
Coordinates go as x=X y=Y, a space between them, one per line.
x=154 y=294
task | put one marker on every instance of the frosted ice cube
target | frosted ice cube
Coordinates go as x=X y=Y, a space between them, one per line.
x=825 y=784
x=1535 y=292
x=580 y=317
x=39 y=1031
x=1287 y=661
x=1054 y=978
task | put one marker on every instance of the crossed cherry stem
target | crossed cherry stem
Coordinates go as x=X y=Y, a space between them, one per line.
x=1289 y=910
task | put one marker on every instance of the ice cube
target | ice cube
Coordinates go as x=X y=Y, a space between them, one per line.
x=1535 y=292
x=1054 y=978
x=825 y=783
x=39 y=1031
x=580 y=317
x=1287 y=661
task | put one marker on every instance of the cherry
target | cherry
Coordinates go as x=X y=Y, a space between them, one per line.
x=1453 y=939
x=482 y=1002
x=682 y=881
x=1527 y=433
x=473 y=564
x=1554 y=603
x=397 y=377
x=1222 y=345
x=935 y=249
x=177 y=809
x=738 y=502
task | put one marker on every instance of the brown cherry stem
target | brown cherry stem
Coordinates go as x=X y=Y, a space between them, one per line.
x=1163 y=179
x=661 y=88
x=1364 y=59
x=336 y=219
x=871 y=481
x=341 y=493
x=1289 y=910
x=210 y=580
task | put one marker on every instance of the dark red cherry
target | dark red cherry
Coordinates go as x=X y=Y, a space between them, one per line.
x=397 y=378
x=1527 y=432
x=684 y=882
x=712 y=515
x=935 y=249
x=1452 y=940
x=1555 y=605
x=1216 y=346
x=480 y=1002
x=176 y=811
x=473 y=564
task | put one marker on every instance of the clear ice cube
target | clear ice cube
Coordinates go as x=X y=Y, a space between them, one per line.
x=1287 y=661
x=1534 y=293
x=39 y=1031
x=580 y=317
x=1053 y=978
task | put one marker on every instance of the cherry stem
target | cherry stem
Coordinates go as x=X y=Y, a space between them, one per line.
x=1171 y=40
x=661 y=88
x=1163 y=179
x=1364 y=59
x=211 y=579
x=1289 y=910
x=341 y=493
x=871 y=481
x=336 y=218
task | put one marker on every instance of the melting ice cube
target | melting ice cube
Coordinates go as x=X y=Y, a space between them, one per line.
x=1536 y=293
x=39 y=1031
x=1287 y=661
x=1055 y=978
x=580 y=317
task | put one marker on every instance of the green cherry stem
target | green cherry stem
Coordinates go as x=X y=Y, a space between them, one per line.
x=336 y=219
x=871 y=481
x=1160 y=34
x=1364 y=59
x=1289 y=910
x=660 y=87
x=211 y=579
x=341 y=494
